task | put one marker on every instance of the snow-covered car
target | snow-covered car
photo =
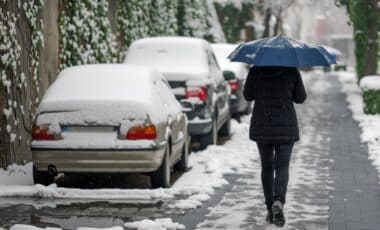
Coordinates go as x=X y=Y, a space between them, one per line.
x=109 y=118
x=192 y=71
x=235 y=73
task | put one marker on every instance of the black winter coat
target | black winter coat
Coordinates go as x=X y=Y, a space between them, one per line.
x=274 y=90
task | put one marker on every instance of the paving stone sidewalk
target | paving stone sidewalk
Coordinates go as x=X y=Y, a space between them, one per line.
x=332 y=182
x=355 y=201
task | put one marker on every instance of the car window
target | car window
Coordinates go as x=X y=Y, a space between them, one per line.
x=215 y=60
x=166 y=95
x=214 y=67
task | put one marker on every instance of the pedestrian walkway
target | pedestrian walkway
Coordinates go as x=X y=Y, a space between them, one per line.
x=332 y=183
x=355 y=200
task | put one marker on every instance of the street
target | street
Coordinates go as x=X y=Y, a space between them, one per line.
x=323 y=192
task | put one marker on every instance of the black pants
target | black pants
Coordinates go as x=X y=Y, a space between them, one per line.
x=275 y=160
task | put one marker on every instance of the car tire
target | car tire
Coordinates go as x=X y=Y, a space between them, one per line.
x=183 y=164
x=226 y=128
x=41 y=177
x=161 y=177
x=210 y=138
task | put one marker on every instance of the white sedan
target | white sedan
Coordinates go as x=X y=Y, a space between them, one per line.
x=109 y=118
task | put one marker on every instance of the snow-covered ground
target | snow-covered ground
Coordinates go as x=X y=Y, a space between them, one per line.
x=370 y=124
x=194 y=187
x=241 y=207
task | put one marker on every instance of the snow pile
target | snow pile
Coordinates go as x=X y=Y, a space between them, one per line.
x=370 y=124
x=111 y=228
x=210 y=165
x=17 y=175
x=146 y=224
x=52 y=191
x=157 y=224
x=29 y=227
x=370 y=83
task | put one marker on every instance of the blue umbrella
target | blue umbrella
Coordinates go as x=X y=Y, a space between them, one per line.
x=281 y=51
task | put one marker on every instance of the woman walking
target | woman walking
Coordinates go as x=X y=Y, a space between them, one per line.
x=274 y=127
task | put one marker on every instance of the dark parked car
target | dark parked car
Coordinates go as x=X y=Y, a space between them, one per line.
x=192 y=71
x=235 y=73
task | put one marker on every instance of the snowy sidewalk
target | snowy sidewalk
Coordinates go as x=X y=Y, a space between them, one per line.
x=333 y=184
x=355 y=201
x=308 y=197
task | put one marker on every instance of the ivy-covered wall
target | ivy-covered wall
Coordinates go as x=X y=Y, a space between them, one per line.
x=88 y=32
x=20 y=43
x=233 y=18
x=365 y=19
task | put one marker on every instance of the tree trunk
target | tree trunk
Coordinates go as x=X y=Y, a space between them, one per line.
x=278 y=26
x=370 y=65
x=268 y=14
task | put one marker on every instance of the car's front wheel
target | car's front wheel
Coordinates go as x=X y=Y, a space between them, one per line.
x=210 y=138
x=161 y=177
x=41 y=177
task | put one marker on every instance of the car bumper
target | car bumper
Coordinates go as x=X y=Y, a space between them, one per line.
x=98 y=160
x=200 y=126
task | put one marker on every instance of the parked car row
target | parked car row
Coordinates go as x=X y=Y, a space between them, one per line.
x=138 y=116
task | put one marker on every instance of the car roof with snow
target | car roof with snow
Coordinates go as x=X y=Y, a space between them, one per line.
x=170 y=54
x=103 y=81
x=222 y=50
x=107 y=93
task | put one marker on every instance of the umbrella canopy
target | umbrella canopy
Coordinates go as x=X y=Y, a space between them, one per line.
x=281 y=51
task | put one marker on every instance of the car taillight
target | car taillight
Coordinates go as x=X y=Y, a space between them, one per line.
x=199 y=92
x=234 y=84
x=142 y=132
x=42 y=133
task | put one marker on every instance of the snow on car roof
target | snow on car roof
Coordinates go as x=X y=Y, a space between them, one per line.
x=170 y=54
x=222 y=50
x=102 y=94
x=103 y=82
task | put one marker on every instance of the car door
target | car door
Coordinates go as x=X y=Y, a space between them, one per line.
x=175 y=119
x=221 y=89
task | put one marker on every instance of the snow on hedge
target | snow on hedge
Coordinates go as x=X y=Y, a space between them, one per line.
x=370 y=124
x=371 y=82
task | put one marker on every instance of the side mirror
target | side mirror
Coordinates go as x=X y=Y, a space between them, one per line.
x=229 y=75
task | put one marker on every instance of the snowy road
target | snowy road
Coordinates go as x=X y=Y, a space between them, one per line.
x=221 y=191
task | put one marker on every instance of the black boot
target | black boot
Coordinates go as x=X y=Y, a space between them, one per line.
x=269 y=217
x=278 y=214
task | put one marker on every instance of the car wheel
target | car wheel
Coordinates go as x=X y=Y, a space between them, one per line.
x=161 y=177
x=183 y=164
x=40 y=177
x=211 y=138
x=226 y=128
